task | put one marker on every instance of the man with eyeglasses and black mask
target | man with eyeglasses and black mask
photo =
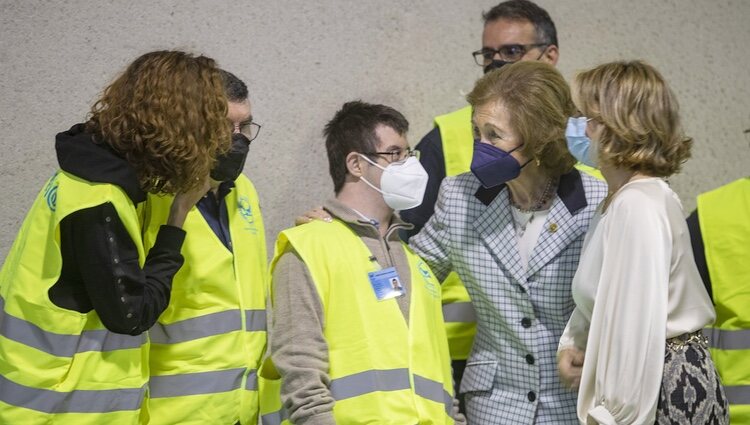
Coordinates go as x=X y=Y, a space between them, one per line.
x=514 y=30
x=208 y=344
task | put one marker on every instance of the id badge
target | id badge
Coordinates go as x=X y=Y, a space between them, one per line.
x=386 y=283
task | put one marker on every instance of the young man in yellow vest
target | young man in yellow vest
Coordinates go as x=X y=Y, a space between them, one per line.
x=348 y=344
x=207 y=346
x=720 y=235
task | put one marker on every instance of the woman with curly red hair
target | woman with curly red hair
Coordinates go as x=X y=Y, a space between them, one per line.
x=633 y=346
x=77 y=289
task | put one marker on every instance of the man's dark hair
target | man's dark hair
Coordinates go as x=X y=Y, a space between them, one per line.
x=236 y=90
x=352 y=129
x=525 y=10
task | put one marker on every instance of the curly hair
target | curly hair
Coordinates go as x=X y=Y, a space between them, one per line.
x=539 y=103
x=639 y=114
x=167 y=116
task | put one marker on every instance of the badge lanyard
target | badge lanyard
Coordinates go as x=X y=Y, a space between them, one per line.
x=385 y=282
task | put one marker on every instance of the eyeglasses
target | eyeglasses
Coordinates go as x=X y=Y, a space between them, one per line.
x=248 y=129
x=396 y=154
x=508 y=52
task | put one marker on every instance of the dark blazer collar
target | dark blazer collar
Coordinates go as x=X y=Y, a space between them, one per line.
x=570 y=190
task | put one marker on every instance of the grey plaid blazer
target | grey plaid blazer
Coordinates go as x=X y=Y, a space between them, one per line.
x=511 y=375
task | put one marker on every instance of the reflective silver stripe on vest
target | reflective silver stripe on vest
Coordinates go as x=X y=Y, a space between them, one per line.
x=459 y=312
x=78 y=401
x=252 y=381
x=208 y=325
x=274 y=418
x=738 y=394
x=725 y=339
x=61 y=345
x=185 y=384
x=255 y=320
x=369 y=381
x=433 y=390
x=196 y=327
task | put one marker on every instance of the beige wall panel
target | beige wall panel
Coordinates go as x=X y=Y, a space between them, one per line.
x=302 y=60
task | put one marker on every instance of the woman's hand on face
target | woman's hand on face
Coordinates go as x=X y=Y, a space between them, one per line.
x=184 y=201
x=570 y=366
x=317 y=213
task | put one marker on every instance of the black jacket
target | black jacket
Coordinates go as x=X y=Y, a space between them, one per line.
x=100 y=268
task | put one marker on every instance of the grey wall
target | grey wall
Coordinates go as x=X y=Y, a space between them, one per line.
x=302 y=60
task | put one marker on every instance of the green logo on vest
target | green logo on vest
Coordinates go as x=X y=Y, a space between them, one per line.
x=50 y=193
x=246 y=212
x=428 y=278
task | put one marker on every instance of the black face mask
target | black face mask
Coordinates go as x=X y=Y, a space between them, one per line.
x=229 y=166
x=495 y=64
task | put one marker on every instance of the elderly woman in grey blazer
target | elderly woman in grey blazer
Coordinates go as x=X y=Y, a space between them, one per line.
x=512 y=229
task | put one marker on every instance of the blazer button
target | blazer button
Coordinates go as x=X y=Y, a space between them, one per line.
x=526 y=322
x=529 y=359
x=531 y=395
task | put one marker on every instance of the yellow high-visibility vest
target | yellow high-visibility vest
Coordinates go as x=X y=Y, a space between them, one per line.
x=382 y=369
x=57 y=365
x=724 y=217
x=458 y=140
x=208 y=344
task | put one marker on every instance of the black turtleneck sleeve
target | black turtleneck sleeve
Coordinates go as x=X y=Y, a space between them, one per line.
x=101 y=270
x=699 y=252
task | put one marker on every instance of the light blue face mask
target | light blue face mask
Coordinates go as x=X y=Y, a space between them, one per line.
x=579 y=143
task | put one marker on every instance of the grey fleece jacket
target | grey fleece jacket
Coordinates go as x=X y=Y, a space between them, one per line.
x=298 y=348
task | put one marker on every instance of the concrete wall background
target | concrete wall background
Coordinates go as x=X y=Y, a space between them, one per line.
x=302 y=60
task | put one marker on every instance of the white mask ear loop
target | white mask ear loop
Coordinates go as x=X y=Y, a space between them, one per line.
x=371 y=162
x=364 y=179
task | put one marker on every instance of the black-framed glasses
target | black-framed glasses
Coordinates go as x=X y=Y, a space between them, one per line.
x=248 y=129
x=396 y=154
x=507 y=52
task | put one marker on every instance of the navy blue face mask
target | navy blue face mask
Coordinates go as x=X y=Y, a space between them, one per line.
x=493 y=166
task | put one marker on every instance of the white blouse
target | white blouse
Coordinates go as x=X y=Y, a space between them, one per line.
x=636 y=286
x=528 y=228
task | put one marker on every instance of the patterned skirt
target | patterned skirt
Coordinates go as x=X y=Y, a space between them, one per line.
x=691 y=392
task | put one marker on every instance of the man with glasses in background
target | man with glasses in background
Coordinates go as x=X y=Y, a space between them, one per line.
x=207 y=346
x=348 y=345
x=514 y=30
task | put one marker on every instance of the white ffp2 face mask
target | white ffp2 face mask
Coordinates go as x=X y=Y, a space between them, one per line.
x=402 y=183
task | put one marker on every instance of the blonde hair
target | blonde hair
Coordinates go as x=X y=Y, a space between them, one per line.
x=639 y=114
x=167 y=116
x=539 y=103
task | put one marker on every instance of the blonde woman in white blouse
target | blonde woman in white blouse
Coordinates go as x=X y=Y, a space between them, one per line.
x=633 y=346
